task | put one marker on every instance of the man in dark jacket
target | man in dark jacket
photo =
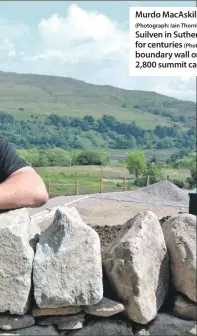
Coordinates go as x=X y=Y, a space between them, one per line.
x=20 y=185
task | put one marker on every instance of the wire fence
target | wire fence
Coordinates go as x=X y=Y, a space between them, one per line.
x=80 y=186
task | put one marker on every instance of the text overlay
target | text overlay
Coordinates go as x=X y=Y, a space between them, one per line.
x=163 y=41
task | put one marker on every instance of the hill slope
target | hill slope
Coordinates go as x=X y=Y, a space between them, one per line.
x=23 y=95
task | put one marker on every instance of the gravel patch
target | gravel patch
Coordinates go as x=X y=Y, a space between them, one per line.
x=164 y=193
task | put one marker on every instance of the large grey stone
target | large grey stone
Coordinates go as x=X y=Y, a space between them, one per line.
x=180 y=237
x=16 y=257
x=105 y=308
x=138 y=267
x=44 y=219
x=167 y=325
x=34 y=331
x=105 y=327
x=67 y=267
x=193 y=331
x=60 y=311
x=10 y=322
x=34 y=233
x=185 y=308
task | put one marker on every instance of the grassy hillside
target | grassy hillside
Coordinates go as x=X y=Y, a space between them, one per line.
x=24 y=95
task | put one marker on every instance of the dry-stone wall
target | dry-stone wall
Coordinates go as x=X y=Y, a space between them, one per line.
x=52 y=282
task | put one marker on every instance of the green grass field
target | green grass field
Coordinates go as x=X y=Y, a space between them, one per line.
x=61 y=183
x=87 y=179
x=160 y=154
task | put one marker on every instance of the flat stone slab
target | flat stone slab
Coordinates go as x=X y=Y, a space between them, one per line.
x=61 y=311
x=185 y=308
x=72 y=322
x=16 y=322
x=65 y=322
x=105 y=327
x=105 y=308
x=34 y=331
x=167 y=325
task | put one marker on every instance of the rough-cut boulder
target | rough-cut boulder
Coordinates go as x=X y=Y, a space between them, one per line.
x=10 y=322
x=105 y=327
x=34 y=234
x=192 y=331
x=105 y=308
x=60 y=311
x=138 y=267
x=44 y=219
x=180 y=237
x=167 y=325
x=67 y=267
x=16 y=257
x=185 y=308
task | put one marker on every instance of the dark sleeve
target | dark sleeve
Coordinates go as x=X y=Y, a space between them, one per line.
x=10 y=161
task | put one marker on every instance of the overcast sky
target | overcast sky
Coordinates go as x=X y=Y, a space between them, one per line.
x=87 y=40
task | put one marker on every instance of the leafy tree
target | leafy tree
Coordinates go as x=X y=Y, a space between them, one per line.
x=151 y=161
x=136 y=163
x=104 y=157
x=58 y=157
x=84 y=133
x=155 y=173
x=89 y=158
x=31 y=156
x=42 y=159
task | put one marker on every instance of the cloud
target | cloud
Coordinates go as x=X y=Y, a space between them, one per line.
x=10 y=35
x=85 y=45
x=82 y=36
x=181 y=88
x=7 y=49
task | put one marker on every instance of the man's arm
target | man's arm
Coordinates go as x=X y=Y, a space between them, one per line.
x=20 y=185
x=23 y=188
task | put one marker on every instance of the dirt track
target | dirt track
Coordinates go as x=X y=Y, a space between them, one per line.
x=116 y=208
x=102 y=212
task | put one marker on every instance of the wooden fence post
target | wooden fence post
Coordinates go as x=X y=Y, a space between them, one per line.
x=148 y=180
x=123 y=184
x=101 y=185
x=76 y=186
x=168 y=177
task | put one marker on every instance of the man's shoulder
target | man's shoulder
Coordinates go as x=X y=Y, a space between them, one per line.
x=3 y=144
x=2 y=139
x=10 y=161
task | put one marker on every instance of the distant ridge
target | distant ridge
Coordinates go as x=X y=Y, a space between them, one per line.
x=26 y=94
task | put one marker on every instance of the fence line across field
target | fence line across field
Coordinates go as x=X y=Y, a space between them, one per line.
x=100 y=184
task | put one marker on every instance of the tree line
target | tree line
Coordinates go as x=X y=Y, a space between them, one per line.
x=88 y=132
x=136 y=163
x=58 y=157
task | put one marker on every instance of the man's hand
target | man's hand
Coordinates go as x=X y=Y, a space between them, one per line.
x=23 y=188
